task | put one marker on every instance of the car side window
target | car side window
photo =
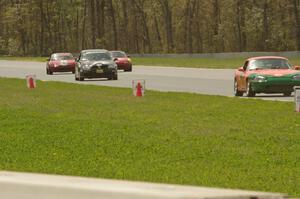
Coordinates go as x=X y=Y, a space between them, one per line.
x=245 y=65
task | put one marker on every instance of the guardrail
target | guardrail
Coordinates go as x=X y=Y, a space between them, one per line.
x=38 y=186
x=222 y=55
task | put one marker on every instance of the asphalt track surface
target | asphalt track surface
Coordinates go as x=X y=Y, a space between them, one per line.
x=203 y=81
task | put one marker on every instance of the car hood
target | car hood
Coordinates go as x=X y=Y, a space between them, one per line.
x=274 y=72
x=102 y=62
x=57 y=62
x=122 y=59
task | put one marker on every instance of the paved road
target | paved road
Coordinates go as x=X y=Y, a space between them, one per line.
x=28 y=185
x=204 y=81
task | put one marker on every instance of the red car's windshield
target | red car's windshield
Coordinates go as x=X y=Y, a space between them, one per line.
x=118 y=54
x=57 y=57
x=269 y=64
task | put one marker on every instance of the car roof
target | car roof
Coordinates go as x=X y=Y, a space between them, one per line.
x=61 y=53
x=94 y=50
x=266 y=57
x=116 y=51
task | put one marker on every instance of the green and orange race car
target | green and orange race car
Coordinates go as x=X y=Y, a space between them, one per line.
x=270 y=74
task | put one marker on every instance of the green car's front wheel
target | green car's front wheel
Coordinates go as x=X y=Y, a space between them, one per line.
x=236 y=90
x=249 y=91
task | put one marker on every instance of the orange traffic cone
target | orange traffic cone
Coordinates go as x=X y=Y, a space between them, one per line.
x=139 y=90
x=31 y=82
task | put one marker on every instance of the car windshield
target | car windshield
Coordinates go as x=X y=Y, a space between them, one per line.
x=57 y=57
x=269 y=64
x=118 y=54
x=96 y=56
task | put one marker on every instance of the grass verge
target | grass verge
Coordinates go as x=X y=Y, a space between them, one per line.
x=179 y=138
x=217 y=63
x=10 y=58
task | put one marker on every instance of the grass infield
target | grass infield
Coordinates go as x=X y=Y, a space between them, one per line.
x=179 y=138
x=218 y=63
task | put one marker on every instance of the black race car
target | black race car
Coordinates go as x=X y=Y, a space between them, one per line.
x=95 y=63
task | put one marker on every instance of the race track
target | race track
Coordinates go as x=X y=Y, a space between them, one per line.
x=204 y=81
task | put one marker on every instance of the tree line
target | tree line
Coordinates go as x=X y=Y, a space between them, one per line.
x=40 y=27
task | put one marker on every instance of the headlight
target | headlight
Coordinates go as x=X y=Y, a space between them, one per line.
x=112 y=66
x=85 y=66
x=296 y=77
x=129 y=59
x=259 y=78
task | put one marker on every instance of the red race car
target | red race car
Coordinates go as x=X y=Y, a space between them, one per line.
x=269 y=74
x=60 y=62
x=122 y=60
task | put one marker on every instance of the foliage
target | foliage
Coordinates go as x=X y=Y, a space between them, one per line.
x=192 y=139
x=149 y=26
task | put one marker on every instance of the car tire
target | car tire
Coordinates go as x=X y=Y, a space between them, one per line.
x=249 y=91
x=76 y=75
x=115 y=76
x=79 y=77
x=287 y=94
x=235 y=89
x=129 y=69
x=48 y=71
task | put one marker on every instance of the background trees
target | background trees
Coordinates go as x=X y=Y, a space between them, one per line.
x=40 y=27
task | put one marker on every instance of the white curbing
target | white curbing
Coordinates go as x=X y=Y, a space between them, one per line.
x=15 y=185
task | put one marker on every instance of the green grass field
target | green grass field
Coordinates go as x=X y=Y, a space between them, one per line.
x=218 y=63
x=179 y=138
x=230 y=63
x=10 y=58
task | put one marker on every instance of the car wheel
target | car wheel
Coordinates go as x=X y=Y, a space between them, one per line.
x=115 y=76
x=49 y=72
x=76 y=75
x=249 y=91
x=287 y=94
x=79 y=77
x=128 y=70
x=235 y=89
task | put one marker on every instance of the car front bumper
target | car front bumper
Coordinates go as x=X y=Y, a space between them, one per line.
x=60 y=68
x=98 y=72
x=124 y=65
x=275 y=85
